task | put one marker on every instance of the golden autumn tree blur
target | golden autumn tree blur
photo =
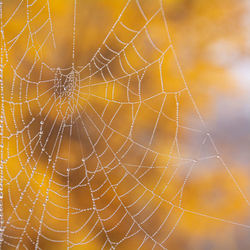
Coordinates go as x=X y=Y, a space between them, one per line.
x=103 y=144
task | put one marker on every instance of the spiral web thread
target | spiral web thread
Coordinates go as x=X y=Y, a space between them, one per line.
x=77 y=134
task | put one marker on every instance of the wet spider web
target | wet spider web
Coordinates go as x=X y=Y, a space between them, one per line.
x=95 y=154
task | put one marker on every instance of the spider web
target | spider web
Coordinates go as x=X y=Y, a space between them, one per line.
x=89 y=153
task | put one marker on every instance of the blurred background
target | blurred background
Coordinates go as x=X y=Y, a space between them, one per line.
x=85 y=165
